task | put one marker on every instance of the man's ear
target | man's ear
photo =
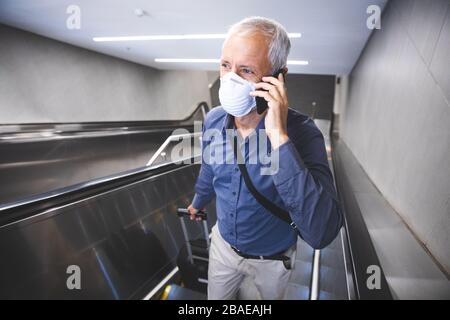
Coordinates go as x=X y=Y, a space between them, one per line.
x=285 y=71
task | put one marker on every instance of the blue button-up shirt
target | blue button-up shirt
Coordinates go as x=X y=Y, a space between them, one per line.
x=301 y=184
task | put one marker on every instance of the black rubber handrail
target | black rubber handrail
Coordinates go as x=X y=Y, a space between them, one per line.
x=105 y=126
x=25 y=208
x=360 y=246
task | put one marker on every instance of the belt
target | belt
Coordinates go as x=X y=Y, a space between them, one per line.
x=278 y=256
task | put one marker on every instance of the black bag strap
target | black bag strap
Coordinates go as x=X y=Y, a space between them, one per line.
x=266 y=203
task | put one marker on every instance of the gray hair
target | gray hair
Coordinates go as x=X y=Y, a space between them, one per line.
x=279 y=43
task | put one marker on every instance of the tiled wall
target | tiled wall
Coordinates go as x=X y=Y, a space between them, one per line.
x=397 y=117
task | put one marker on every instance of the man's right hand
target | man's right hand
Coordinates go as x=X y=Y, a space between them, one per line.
x=193 y=211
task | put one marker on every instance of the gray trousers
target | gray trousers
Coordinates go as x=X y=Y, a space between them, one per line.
x=227 y=271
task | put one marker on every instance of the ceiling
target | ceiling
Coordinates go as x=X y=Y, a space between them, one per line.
x=333 y=32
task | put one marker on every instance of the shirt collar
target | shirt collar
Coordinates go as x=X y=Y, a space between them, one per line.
x=228 y=123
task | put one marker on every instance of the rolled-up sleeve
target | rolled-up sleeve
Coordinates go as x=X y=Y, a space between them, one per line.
x=305 y=184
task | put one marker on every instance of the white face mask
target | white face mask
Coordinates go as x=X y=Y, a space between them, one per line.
x=234 y=95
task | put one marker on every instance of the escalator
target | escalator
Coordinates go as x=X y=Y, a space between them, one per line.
x=123 y=234
x=39 y=158
x=120 y=230
x=123 y=238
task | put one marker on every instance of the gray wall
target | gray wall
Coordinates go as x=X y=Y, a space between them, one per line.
x=306 y=89
x=397 y=119
x=42 y=80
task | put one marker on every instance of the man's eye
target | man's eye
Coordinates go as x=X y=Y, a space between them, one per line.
x=225 y=65
x=247 y=71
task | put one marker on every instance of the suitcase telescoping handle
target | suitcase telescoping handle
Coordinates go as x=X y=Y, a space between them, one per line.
x=181 y=212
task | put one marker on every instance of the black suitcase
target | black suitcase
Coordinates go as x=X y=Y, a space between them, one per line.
x=192 y=259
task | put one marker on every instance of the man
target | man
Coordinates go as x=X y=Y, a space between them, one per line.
x=248 y=239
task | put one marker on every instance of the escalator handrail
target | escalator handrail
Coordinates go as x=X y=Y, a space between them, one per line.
x=14 y=211
x=93 y=128
x=360 y=246
x=27 y=207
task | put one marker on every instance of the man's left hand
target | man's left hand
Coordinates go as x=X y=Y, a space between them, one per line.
x=276 y=117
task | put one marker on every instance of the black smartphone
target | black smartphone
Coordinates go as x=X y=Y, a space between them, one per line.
x=261 y=103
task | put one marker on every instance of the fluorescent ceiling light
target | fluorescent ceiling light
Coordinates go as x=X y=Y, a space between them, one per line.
x=294 y=35
x=168 y=60
x=173 y=37
x=297 y=62
x=188 y=60
x=161 y=37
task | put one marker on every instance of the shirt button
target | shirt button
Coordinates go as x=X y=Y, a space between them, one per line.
x=236 y=169
x=232 y=215
x=234 y=193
